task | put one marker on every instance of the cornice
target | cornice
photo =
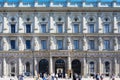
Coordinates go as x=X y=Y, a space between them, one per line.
x=59 y=9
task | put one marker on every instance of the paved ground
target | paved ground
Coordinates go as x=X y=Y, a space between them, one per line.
x=58 y=79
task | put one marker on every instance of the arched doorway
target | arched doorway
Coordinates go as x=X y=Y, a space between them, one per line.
x=60 y=68
x=76 y=66
x=12 y=69
x=107 y=68
x=43 y=67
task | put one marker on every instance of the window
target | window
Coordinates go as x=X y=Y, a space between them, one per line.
x=43 y=28
x=119 y=44
x=60 y=28
x=12 y=28
x=76 y=44
x=106 y=44
x=76 y=28
x=60 y=44
x=44 y=44
x=91 y=28
x=106 y=28
x=12 y=43
x=28 y=44
x=91 y=68
x=118 y=28
x=107 y=68
x=91 y=44
x=28 y=28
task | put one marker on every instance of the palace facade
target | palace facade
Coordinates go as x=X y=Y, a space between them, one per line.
x=59 y=36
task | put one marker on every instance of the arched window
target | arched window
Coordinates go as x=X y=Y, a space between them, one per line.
x=107 y=68
x=27 y=67
x=91 y=68
x=12 y=69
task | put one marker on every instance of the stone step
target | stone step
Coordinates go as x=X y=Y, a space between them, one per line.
x=55 y=79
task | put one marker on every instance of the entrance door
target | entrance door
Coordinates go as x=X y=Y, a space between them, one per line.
x=43 y=67
x=60 y=68
x=76 y=67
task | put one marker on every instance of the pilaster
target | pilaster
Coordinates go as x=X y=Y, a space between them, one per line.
x=20 y=67
x=35 y=66
x=116 y=67
x=84 y=23
x=85 y=71
x=100 y=71
x=4 y=67
x=51 y=65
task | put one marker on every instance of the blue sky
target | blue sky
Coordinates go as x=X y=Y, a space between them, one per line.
x=60 y=0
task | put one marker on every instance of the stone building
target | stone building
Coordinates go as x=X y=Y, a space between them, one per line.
x=59 y=36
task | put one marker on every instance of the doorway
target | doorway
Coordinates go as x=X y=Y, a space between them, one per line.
x=60 y=68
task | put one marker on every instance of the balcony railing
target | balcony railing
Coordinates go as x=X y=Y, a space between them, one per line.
x=60 y=3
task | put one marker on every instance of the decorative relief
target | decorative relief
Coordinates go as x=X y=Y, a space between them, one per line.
x=115 y=41
x=100 y=40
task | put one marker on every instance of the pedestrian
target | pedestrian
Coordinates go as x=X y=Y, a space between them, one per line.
x=97 y=76
x=53 y=76
x=80 y=77
x=113 y=77
x=101 y=76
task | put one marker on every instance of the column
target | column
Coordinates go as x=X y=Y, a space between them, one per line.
x=35 y=66
x=21 y=43
x=20 y=67
x=99 y=23
x=115 y=43
x=84 y=23
x=100 y=41
x=85 y=70
x=85 y=45
x=68 y=23
x=51 y=23
x=36 y=43
x=116 y=67
x=5 y=22
x=69 y=43
x=20 y=25
x=5 y=44
x=69 y=67
x=115 y=28
x=4 y=67
x=51 y=65
x=100 y=66
x=36 y=21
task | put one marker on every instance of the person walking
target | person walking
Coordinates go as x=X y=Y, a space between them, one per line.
x=97 y=76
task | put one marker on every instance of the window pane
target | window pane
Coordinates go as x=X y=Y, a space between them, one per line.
x=106 y=28
x=43 y=28
x=76 y=28
x=91 y=44
x=44 y=44
x=12 y=28
x=76 y=44
x=28 y=28
x=60 y=28
x=60 y=44
x=28 y=44
x=106 y=44
x=91 y=28
x=118 y=28
x=12 y=42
